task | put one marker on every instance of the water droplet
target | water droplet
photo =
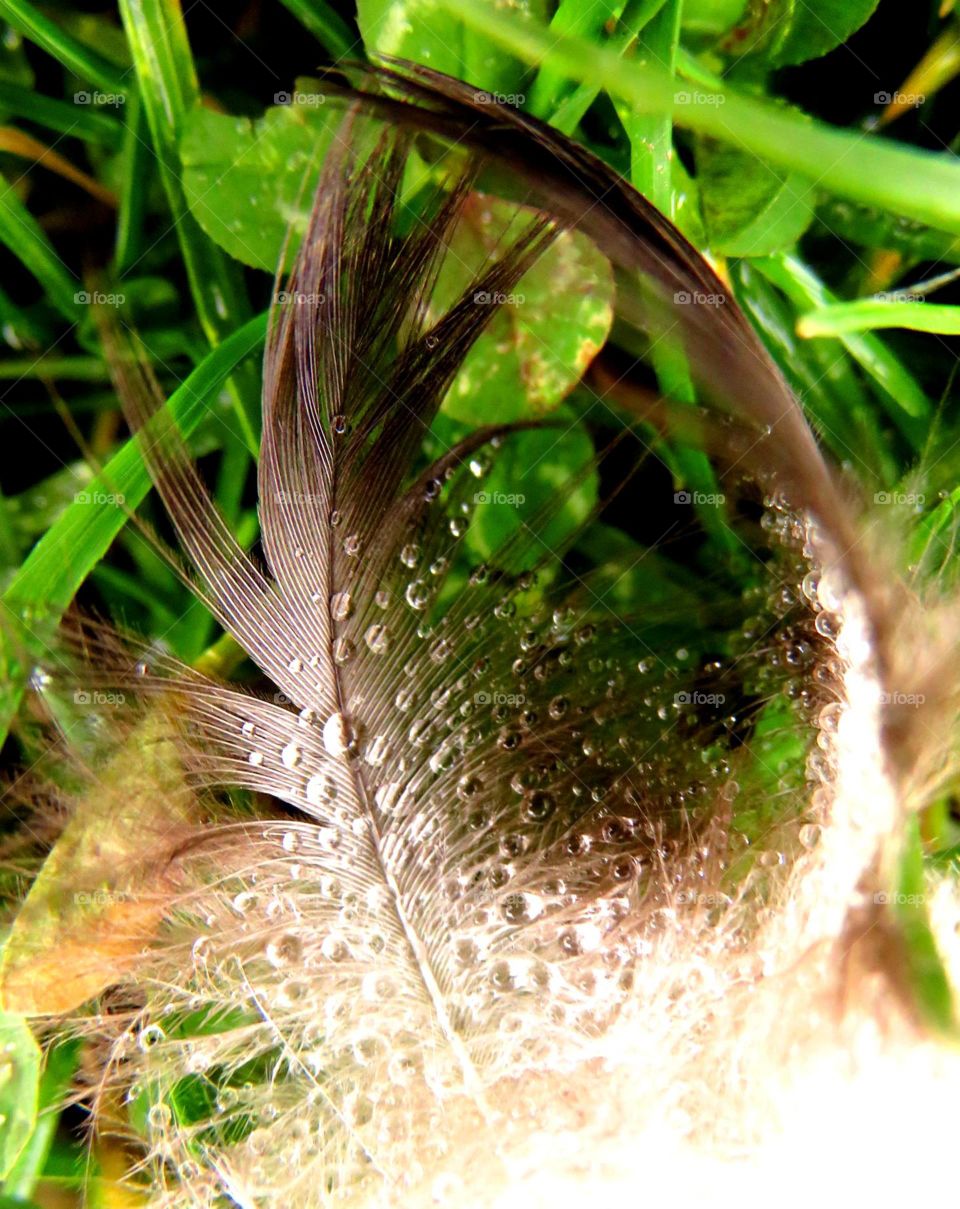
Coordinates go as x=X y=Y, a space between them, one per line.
x=159 y=1116
x=334 y=948
x=377 y=639
x=339 y=424
x=150 y=1036
x=343 y=651
x=320 y=789
x=409 y=555
x=341 y=606
x=540 y=805
x=521 y=908
x=291 y=755
x=255 y=758
x=284 y=950
x=811 y=586
x=337 y=736
x=377 y=751
x=351 y=545
x=295 y=666
x=417 y=594
x=468 y=787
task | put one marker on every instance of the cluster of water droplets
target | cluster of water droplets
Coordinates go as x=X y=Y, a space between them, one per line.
x=513 y=796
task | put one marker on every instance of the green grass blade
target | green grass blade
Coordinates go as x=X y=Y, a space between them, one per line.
x=328 y=27
x=137 y=165
x=868 y=313
x=35 y=600
x=916 y=183
x=76 y=57
x=80 y=121
x=169 y=89
x=907 y=404
x=22 y=234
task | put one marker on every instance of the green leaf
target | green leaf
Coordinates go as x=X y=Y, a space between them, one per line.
x=787 y=32
x=248 y=182
x=544 y=333
x=545 y=472
x=711 y=18
x=102 y=891
x=19 y=1087
x=814 y=29
x=749 y=209
x=421 y=31
x=928 y=975
x=59 y=1067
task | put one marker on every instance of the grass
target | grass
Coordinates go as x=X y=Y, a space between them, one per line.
x=848 y=219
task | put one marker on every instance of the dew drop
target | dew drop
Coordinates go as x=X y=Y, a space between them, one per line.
x=343 y=651
x=341 y=605
x=540 y=805
x=291 y=755
x=320 y=789
x=377 y=639
x=150 y=1036
x=377 y=751
x=284 y=950
x=468 y=787
x=337 y=738
x=417 y=595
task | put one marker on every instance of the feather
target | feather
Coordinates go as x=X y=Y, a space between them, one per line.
x=476 y=799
